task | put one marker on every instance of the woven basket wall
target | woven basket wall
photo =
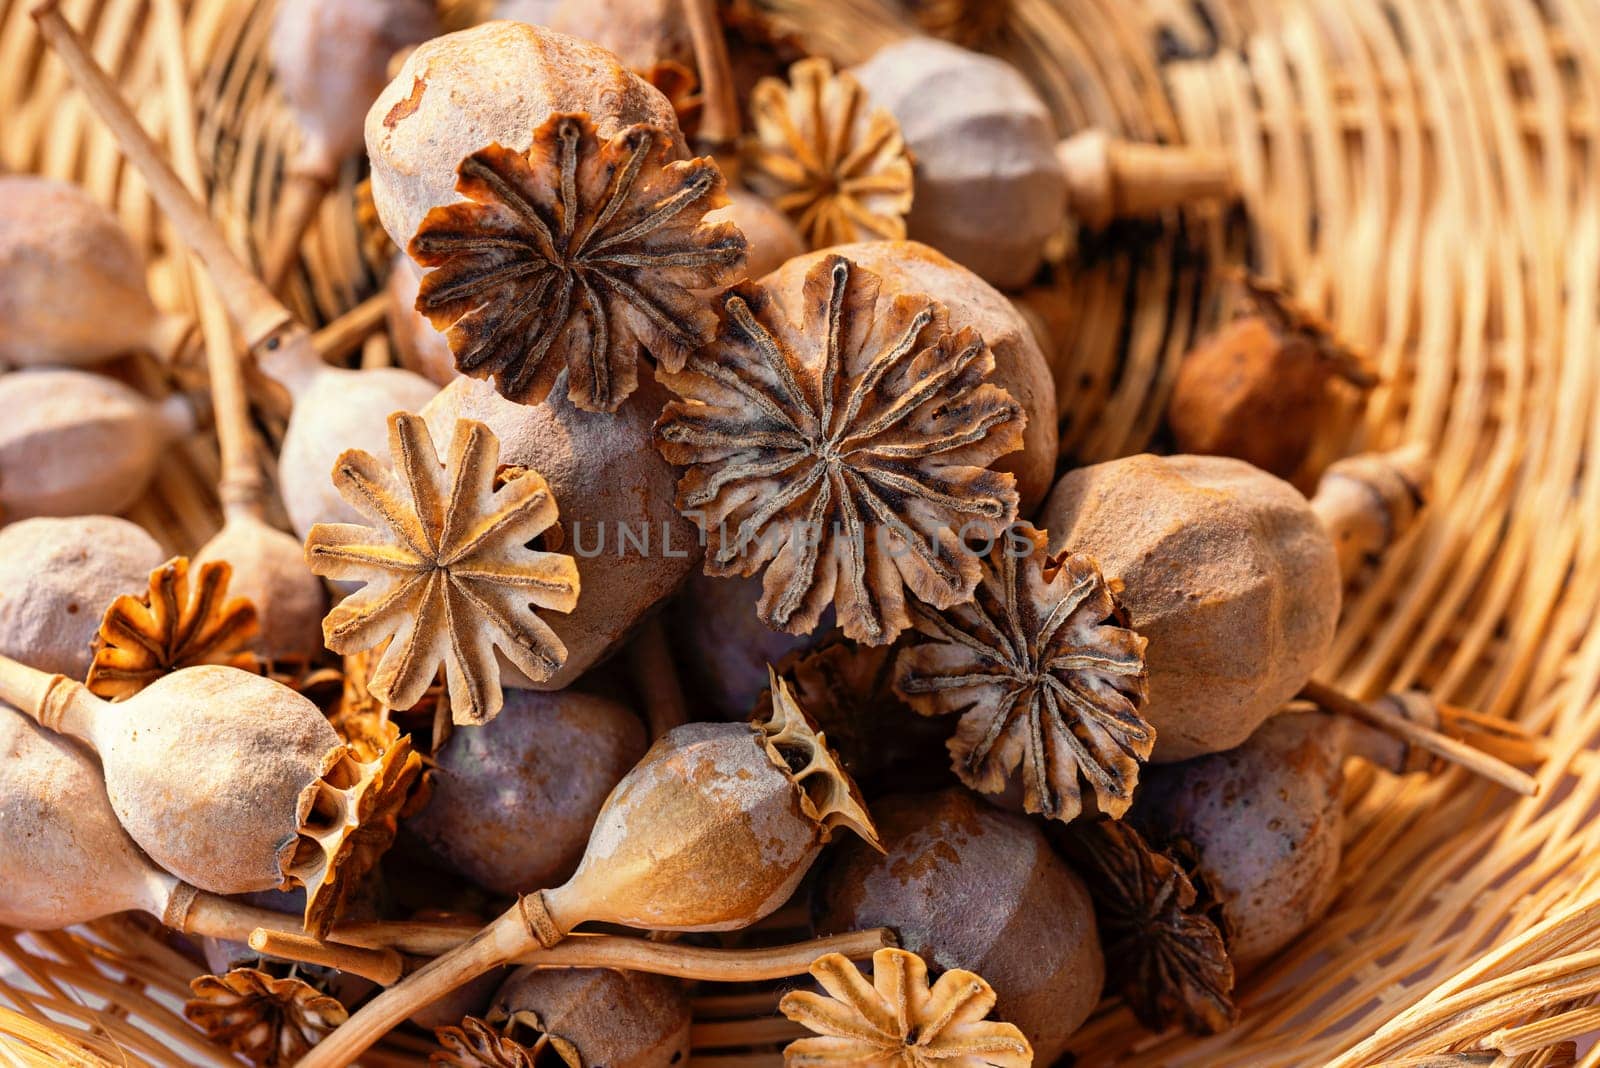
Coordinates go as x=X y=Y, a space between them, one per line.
x=1425 y=172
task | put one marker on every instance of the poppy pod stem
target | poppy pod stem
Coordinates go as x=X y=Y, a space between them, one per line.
x=1386 y=718
x=1110 y=179
x=719 y=123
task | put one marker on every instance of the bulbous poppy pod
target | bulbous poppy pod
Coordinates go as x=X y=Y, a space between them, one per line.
x=711 y=831
x=841 y=435
x=232 y=782
x=449 y=578
x=1227 y=573
x=68 y=859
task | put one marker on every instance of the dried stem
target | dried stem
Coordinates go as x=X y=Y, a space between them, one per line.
x=1331 y=700
x=219 y=917
x=499 y=944
x=267 y=326
x=241 y=486
x=719 y=120
x=299 y=198
x=1112 y=179
x=346 y=333
x=655 y=676
x=382 y=966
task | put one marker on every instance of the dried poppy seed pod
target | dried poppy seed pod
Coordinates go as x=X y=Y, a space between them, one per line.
x=68 y=860
x=75 y=443
x=1261 y=386
x=771 y=237
x=1369 y=502
x=989 y=191
x=1020 y=367
x=711 y=831
x=513 y=800
x=56 y=578
x=269 y=571
x=966 y=886
x=1226 y=572
x=420 y=347
x=642 y=33
x=494 y=84
x=231 y=781
x=72 y=285
x=618 y=519
x=1266 y=822
x=331 y=60
x=723 y=646
x=591 y=1016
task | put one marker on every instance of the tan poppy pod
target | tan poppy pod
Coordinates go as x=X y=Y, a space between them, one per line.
x=76 y=443
x=72 y=285
x=269 y=571
x=1226 y=571
x=618 y=519
x=711 y=831
x=230 y=781
x=642 y=33
x=331 y=60
x=1266 y=822
x=57 y=576
x=68 y=860
x=772 y=237
x=723 y=645
x=970 y=887
x=420 y=347
x=1019 y=364
x=989 y=190
x=610 y=1018
x=493 y=84
x=512 y=801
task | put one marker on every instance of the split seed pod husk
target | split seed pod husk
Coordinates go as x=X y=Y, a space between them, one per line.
x=574 y=257
x=585 y=1016
x=989 y=190
x=56 y=578
x=171 y=625
x=1226 y=572
x=493 y=84
x=232 y=782
x=1020 y=367
x=449 y=578
x=1261 y=387
x=967 y=886
x=1265 y=822
x=633 y=549
x=839 y=435
x=77 y=443
x=72 y=284
x=711 y=831
x=1047 y=679
x=270 y=1020
x=898 y=1018
x=513 y=800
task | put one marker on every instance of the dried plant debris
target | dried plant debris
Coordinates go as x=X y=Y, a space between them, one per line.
x=173 y=625
x=270 y=1021
x=823 y=154
x=1165 y=950
x=1045 y=675
x=521 y=1042
x=574 y=256
x=897 y=1019
x=845 y=451
x=683 y=91
x=448 y=575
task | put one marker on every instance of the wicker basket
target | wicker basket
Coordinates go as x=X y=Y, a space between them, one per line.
x=1425 y=172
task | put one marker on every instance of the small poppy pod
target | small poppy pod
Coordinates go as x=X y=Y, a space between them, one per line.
x=269 y=571
x=419 y=346
x=592 y=1016
x=75 y=443
x=513 y=800
x=1224 y=569
x=1019 y=364
x=967 y=886
x=772 y=237
x=72 y=285
x=642 y=33
x=618 y=517
x=56 y=578
x=722 y=644
x=1265 y=822
x=493 y=84
x=989 y=190
x=231 y=781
